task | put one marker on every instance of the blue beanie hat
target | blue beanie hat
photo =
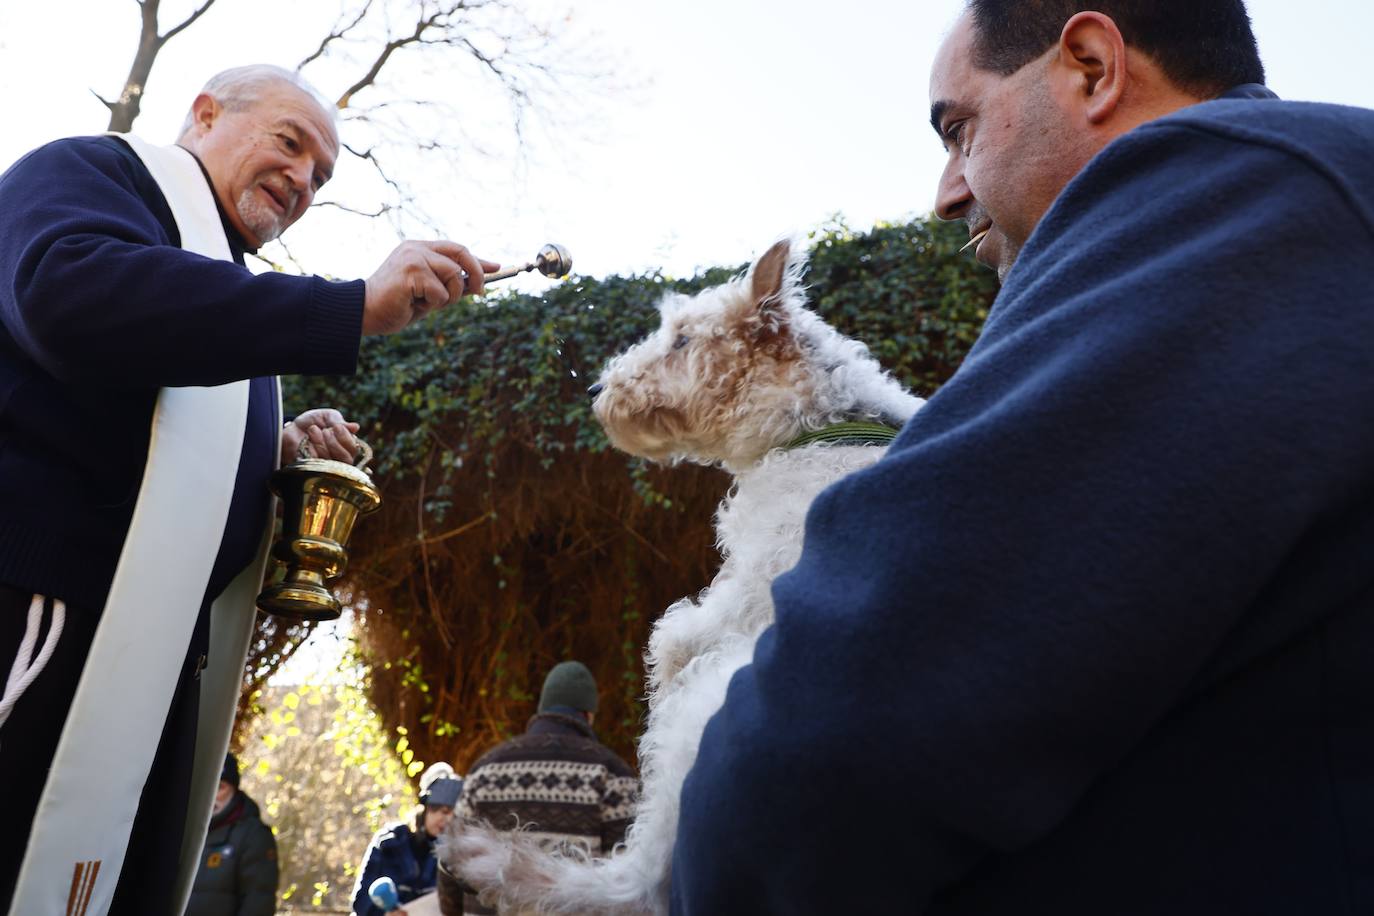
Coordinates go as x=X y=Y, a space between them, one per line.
x=439 y=785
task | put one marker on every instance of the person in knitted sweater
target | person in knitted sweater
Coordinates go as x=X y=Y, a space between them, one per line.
x=556 y=781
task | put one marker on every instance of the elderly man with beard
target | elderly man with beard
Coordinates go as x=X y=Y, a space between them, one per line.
x=139 y=422
x=1097 y=634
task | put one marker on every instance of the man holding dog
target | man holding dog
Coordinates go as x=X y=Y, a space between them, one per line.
x=1097 y=635
x=125 y=307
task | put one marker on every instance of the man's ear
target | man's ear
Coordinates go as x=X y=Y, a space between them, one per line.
x=1093 y=53
x=204 y=110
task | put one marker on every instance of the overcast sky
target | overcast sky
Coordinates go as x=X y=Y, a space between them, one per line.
x=744 y=120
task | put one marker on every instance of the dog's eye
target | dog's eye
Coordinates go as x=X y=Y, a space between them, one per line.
x=681 y=341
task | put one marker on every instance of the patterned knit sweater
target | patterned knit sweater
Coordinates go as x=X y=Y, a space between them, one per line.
x=556 y=782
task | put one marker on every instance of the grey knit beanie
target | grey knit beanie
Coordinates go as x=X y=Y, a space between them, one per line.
x=569 y=684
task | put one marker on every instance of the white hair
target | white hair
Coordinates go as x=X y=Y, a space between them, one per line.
x=240 y=87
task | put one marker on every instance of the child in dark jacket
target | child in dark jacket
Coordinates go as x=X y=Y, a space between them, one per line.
x=405 y=853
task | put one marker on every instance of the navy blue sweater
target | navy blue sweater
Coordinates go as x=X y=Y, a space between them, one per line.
x=1097 y=635
x=99 y=308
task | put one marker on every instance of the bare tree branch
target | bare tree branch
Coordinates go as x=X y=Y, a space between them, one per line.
x=104 y=101
x=541 y=89
x=382 y=210
x=370 y=156
x=269 y=262
x=193 y=17
x=291 y=257
x=387 y=50
x=336 y=34
x=124 y=112
x=281 y=268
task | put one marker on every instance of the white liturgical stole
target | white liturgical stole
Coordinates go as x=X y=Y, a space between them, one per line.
x=84 y=818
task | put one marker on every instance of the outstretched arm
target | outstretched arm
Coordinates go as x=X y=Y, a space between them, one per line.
x=96 y=293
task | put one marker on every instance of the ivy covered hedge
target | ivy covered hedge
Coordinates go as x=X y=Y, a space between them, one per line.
x=512 y=536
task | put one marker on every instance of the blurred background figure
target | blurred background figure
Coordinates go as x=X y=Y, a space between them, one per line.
x=556 y=781
x=238 y=867
x=405 y=854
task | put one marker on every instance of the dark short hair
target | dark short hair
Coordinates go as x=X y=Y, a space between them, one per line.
x=1204 y=47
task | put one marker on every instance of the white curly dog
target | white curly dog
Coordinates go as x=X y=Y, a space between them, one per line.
x=744 y=376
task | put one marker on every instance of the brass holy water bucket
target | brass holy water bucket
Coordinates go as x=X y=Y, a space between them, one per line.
x=321 y=500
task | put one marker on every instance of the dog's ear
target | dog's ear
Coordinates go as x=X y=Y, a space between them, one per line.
x=768 y=281
x=769 y=272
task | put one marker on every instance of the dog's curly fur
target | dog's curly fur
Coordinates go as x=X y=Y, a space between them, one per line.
x=731 y=375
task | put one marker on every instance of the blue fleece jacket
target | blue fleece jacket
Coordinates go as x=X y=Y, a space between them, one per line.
x=406 y=857
x=1097 y=635
x=100 y=307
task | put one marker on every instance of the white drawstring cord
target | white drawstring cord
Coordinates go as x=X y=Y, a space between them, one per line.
x=26 y=669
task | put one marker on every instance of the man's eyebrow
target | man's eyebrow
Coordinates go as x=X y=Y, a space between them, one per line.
x=937 y=114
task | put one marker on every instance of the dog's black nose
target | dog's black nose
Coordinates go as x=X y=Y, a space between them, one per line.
x=594 y=390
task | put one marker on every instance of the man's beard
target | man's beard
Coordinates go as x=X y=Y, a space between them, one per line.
x=264 y=222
